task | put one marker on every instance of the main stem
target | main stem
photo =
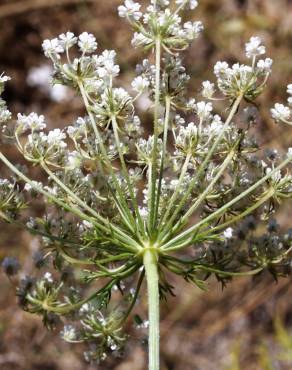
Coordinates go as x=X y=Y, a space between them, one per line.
x=151 y=268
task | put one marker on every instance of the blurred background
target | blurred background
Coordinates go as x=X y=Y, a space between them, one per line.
x=248 y=325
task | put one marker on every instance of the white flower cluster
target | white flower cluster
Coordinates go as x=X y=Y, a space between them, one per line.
x=233 y=80
x=204 y=110
x=248 y=80
x=187 y=138
x=5 y=114
x=265 y=65
x=254 y=47
x=54 y=47
x=194 y=139
x=281 y=112
x=130 y=10
x=31 y=122
x=140 y=83
x=37 y=145
x=145 y=148
x=208 y=89
x=87 y=43
x=174 y=34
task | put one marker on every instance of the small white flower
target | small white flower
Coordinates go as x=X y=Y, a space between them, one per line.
x=106 y=57
x=143 y=212
x=204 y=110
x=276 y=176
x=48 y=277
x=216 y=125
x=4 y=78
x=87 y=42
x=108 y=69
x=5 y=115
x=191 y=104
x=140 y=83
x=74 y=160
x=280 y=112
x=52 y=48
x=265 y=65
x=130 y=9
x=254 y=48
x=29 y=187
x=32 y=121
x=67 y=40
x=85 y=308
x=55 y=137
x=192 y=30
x=289 y=89
x=208 y=89
x=69 y=333
x=221 y=68
x=228 y=233
x=87 y=224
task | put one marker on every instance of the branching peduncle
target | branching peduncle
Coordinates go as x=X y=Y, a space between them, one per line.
x=201 y=169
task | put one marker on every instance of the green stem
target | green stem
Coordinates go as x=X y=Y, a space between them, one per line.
x=125 y=173
x=48 y=195
x=140 y=280
x=152 y=179
x=221 y=210
x=84 y=205
x=132 y=244
x=203 y=166
x=178 y=188
x=126 y=212
x=209 y=188
x=165 y=133
x=72 y=195
x=249 y=210
x=150 y=263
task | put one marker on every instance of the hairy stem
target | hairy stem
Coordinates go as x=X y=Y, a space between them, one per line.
x=150 y=263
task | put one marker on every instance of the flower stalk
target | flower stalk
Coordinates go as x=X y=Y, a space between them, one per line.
x=150 y=261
